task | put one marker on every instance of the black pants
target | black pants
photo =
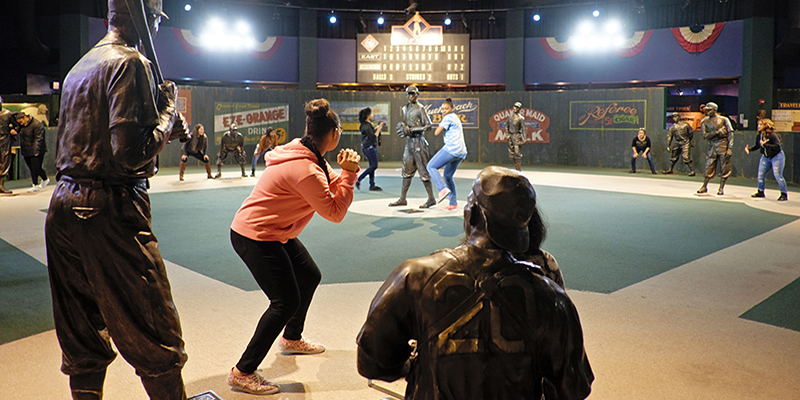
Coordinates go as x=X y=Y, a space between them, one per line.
x=35 y=165
x=199 y=156
x=289 y=277
x=108 y=279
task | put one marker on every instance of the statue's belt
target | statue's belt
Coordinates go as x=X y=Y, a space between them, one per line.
x=105 y=182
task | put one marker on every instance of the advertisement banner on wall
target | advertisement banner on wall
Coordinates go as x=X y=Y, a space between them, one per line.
x=622 y=115
x=348 y=115
x=536 y=124
x=466 y=109
x=252 y=120
x=183 y=103
x=690 y=117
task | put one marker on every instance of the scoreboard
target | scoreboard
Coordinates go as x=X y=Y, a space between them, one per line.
x=379 y=61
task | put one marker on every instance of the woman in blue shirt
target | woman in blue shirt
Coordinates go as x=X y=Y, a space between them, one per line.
x=449 y=156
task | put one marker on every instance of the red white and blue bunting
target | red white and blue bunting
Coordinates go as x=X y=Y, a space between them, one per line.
x=564 y=50
x=697 y=42
x=193 y=45
x=556 y=49
x=634 y=45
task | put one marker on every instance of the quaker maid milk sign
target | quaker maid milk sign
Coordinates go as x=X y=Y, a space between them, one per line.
x=536 y=124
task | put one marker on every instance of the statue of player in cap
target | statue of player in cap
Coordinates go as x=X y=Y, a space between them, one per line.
x=231 y=142
x=719 y=132
x=415 y=156
x=107 y=277
x=474 y=323
x=515 y=128
x=683 y=133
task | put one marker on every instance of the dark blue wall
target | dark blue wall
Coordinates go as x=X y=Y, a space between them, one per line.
x=487 y=60
x=336 y=60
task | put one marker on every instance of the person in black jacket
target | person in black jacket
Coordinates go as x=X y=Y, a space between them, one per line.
x=196 y=147
x=7 y=135
x=771 y=157
x=370 y=140
x=641 y=145
x=33 y=147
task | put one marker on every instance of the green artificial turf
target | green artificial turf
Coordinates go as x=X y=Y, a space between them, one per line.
x=780 y=309
x=604 y=241
x=25 y=304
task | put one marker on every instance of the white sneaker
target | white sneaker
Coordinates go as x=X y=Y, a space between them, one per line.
x=44 y=183
x=34 y=189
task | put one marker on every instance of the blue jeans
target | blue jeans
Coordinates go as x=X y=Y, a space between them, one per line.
x=372 y=156
x=776 y=163
x=450 y=164
x=256 y=157
x=649 y=159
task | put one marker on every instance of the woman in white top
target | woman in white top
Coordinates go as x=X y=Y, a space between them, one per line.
x=449 y=156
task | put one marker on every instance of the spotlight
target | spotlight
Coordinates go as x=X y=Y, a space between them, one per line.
x=333 y=18
x=492 y=19
x=585 y=28
x=216 y=25
x=536 y=17
x=363 y=23
x=699 y=90
x=411 y=8
x=680 y=92
x=187 y=7
x=381 y=20
x=596 y=13
x=242 y=27
x=464 y=21
x=447 y=21
x=612 y=27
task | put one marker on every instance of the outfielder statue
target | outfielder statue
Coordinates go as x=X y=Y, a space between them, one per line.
x=719 y=132
x=515 y=128
x=683 y=134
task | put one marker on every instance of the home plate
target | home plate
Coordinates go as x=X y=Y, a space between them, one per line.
x=380 y=208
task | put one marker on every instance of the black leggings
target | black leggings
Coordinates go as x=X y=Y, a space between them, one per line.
x=288 y=276
x=35 y=165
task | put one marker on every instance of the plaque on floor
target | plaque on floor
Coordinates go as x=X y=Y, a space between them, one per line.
x=411 y=211
x=209 y=395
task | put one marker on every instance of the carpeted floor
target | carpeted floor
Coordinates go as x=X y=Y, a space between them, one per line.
x=680 y=296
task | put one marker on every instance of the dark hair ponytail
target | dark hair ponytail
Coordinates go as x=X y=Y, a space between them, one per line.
x=320 y=119
x=364 y=114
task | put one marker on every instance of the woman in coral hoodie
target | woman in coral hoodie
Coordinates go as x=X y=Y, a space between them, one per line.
x=264 y=233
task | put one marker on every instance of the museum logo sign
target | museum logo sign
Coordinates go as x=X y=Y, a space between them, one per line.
x=607 y=115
